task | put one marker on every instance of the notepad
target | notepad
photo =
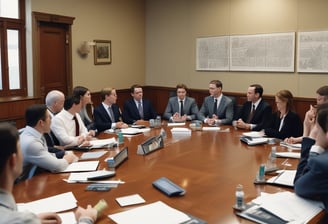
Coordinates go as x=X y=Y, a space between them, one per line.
x=82 y=166
x=294 y=155
x=92 y=155
x=130 y=200
x=56 y=203
x=285 y=178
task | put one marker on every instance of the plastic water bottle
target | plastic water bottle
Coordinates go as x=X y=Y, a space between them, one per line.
x=158 y=122
x=273 y=155
x=240 y=204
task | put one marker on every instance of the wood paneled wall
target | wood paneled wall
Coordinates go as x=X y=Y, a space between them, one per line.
x=12 y=109
x=159 y=97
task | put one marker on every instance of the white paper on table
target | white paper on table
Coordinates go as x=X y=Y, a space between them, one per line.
x=82 y=166
x=211 y=128
x=100 y=143
x=290 y=207
x=253 y=134
x=294 y=155
x=130 y=200
x=92 y=155
x=57 y=203
x=67 y=217
x=176 y=124
x=157 y=212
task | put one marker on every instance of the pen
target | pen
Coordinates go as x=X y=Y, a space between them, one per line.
x=284 y=162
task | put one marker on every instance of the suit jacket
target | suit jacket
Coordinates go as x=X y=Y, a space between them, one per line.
x=224 y=112
x=102 y=118
x=262 y=116
x=190 y=107
x=312 y=182
x=130 y=112
x=292 y=126
x=305 y=150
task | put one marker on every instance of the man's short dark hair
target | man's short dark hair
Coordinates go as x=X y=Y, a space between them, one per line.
x=258 y=89
x=133 y=87
x=8 y=137
x=182 y=86
x=70 y=100
x=323 y=91
x=322 y=116
x=35 y=113
x=217 y=83
x=80 y=90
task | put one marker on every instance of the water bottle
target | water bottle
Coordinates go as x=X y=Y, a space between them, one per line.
x=273 y=155
x=158 y=121
x=240 y=204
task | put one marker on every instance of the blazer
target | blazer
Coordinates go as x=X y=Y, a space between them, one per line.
x=292 y=126
x=190 y=107
x=130 y=112
x=224 y=112
x=102 y=118
x=262 y=116
x=312 y=182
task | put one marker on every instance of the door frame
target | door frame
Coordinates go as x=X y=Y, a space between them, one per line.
x=38 y=17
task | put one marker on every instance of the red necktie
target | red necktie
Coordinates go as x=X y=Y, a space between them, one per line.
x=77 y=126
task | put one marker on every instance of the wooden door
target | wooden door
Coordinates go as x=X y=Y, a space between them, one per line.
x=52 y=53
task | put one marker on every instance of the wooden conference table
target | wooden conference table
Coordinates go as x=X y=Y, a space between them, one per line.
x=209 y=165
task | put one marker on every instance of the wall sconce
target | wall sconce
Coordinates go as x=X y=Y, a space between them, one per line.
x=85 y=48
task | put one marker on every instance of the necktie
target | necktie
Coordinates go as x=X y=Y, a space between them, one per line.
x=140 y=109
x=111 y=114
x=77 y=126
x=181 y=108
x=251 y=114
x=215 y=107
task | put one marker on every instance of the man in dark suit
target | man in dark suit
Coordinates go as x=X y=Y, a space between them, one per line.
x=217 y=109
x=137 y=108
x=255 y=114
x=108 y=115
x=181 y=108
x=311 y=180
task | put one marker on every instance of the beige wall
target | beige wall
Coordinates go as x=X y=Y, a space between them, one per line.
x=153 y=43
x=172 y=27
x=122 y=22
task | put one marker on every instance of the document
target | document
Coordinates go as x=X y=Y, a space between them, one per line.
x=294 y=155
x=92 y=155
x=176 y=124
x=82 y=166
x=130 y=200
x=211 y=129
x=134 y=131
x=101 y=143
x=67 y=217
x=254 y=141
x=253 y=134
x=57 y=203
x=183 y=131
x=89 y=176
x=281 y=207
x=296 y=146
x=285 y=178
x=157 y=212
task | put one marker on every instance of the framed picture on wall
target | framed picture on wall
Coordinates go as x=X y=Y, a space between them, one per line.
x=102 y=52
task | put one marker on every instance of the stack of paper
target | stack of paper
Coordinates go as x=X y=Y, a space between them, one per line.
x=296 y=146
x=101 y=143
x=57 y=203
x=282 y=207
x=295 y=155
x=82 y=166
x=183 y=131
x=285 y=178
x=157 y=212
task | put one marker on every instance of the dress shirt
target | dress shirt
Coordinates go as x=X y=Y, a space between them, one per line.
x=112 y=116
x=63 y=126
x=35 y=152
x=9 y=213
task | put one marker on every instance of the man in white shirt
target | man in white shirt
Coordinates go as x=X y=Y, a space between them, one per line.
x=67 y=125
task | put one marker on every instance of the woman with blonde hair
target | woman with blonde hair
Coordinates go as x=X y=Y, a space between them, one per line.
x=286 y=122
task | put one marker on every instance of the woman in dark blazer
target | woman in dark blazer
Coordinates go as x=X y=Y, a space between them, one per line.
x=285 y=123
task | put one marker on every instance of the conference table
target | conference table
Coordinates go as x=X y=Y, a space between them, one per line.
x=207 y=164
